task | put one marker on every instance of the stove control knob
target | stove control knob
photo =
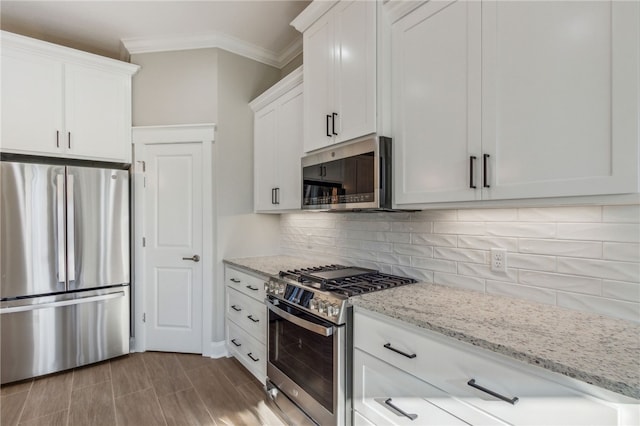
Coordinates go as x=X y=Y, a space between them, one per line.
x=281 y=288
x=333 y=310
x=313 y=304
x=322 y=306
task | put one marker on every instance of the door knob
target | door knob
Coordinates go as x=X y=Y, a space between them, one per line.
x=195 y=258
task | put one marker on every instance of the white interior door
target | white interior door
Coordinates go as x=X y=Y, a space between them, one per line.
x=173 y=233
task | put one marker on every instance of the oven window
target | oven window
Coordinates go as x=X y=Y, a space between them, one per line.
x=304 y=356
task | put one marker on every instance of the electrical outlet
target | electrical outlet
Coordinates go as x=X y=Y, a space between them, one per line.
x=498 y=260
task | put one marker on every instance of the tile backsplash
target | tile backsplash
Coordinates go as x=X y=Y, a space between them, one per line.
x=585 y=258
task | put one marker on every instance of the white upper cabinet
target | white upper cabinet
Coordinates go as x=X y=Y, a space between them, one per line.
x=62 y=102
x=435 y=102
x=278 y=145
x=339 y=71
x=508 y=100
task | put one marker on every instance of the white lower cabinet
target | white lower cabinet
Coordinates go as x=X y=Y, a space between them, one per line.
x=444 y=381
x=246 y=320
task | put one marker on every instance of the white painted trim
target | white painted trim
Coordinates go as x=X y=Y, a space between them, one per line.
x=293 y=79
x=396 y=9
x=311 y=14
x=64 y=54
x=217 y=350
x=141 y=136
x=212 y=40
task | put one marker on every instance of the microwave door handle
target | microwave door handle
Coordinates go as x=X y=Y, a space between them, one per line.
x=308 y=325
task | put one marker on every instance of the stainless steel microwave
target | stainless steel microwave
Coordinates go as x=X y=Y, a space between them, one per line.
x=354 y=176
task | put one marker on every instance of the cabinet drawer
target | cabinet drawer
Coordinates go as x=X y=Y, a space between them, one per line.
x=450 y=366
x=246 y=283
x=250 y=352
x=248 y=313
x=379 y=387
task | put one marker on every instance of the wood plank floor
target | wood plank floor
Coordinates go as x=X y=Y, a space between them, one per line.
x=151 y=388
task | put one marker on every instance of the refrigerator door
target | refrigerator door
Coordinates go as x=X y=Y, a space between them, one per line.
x=42 y=335
x=98 y=227
x=32 y=244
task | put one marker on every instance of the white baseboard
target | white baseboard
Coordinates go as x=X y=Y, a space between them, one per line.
x=216 y=350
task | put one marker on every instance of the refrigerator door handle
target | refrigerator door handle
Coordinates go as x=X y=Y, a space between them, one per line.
x=60 y=200
x=69 y=302
x=71 y=254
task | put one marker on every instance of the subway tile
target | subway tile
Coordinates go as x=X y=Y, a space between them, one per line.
x=421 y=275
x=364 y=226
x=398 y=237
x=348 y=242
x=323 y=232
x=412 y=227
x=608 y=269
x=620 y=232
x=487 y=243
x=562 y=282
x=413 y=250
x=363 y=235
x=590 y=249
x=433 y=240
x=394 y=259
x=377 y=246
x=483 y=271
x=488 y=215
x=609 y=307
x=621 y=290
x=627 y=252
x=521 y=291
x=531 y=261
x=464 y=228
x=323 y=241
x=519 y=229
x=561 y=214
x=435 y=215
x=433 y=264
x=459 y=281
x=626 y=214
x=460 y=254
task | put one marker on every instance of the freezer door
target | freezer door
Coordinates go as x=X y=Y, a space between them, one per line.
x=46 y=334
x=32 y=251
x=98 y=227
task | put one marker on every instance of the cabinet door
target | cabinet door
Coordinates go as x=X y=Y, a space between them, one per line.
x=289 y=150
x=436 y=102
x=318 y=55
x=31 y=103
x=560 y=97
x=355 y=75
x=98 y=111
x=265 y=166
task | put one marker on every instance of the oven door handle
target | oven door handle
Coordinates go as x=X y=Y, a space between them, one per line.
x=315 y=328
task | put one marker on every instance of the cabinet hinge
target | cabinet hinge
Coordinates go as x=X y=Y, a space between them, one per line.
x=144 y=182
x=144 y=166
x=144 y=317
x=144 y=242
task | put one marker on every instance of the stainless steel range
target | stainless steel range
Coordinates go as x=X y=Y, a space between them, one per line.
x=310 y=337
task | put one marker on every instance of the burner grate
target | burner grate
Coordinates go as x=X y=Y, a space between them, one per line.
x=344 y=280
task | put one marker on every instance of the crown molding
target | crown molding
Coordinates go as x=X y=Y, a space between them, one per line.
x=311 y=14
x=293 y=79
x=15 y=42
x=212 y=40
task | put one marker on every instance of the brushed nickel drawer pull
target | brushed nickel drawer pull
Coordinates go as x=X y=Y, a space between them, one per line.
x=473 y=384
x=404 y=413
x=388 y=346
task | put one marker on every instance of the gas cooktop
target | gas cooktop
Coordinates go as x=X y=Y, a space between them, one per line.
x=324 y=290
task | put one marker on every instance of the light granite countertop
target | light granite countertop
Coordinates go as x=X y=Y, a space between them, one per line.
x=592 y=348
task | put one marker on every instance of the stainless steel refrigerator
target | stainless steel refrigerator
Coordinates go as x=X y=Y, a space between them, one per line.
x=64 y=264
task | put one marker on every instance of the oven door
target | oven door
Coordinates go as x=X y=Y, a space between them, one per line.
x=306 y=361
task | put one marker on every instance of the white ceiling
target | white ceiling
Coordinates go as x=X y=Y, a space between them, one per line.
x=256 y=28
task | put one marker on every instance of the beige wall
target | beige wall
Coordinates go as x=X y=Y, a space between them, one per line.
x=292 y=65
x=175 y=87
